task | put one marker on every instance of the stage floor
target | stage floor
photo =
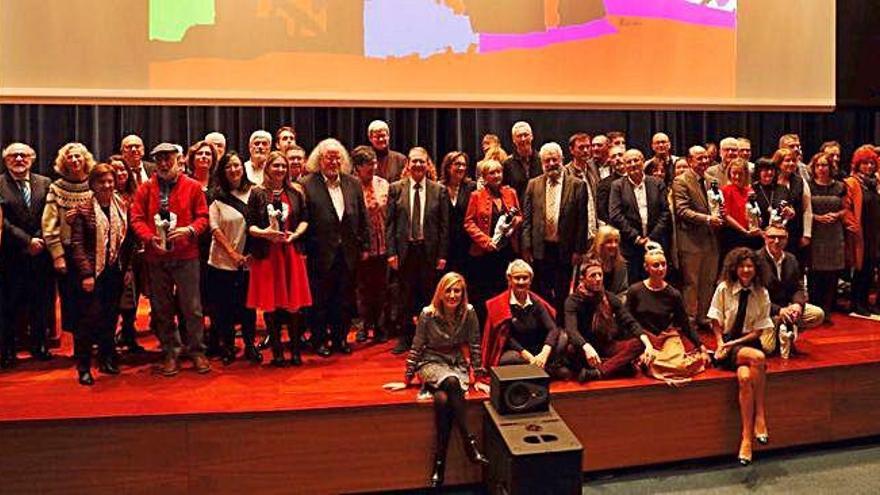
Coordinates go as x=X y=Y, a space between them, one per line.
x=48 y=391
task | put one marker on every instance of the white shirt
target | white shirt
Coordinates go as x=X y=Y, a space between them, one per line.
x=232 y=223
x=641 y=194
x=552 y=198
x=335 y=190
x=254 y=175
x=726 y=301
x=604 y=171
x=514 y=301
x=412 y=194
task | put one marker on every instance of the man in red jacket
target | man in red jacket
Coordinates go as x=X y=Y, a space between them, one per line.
x=168 y=214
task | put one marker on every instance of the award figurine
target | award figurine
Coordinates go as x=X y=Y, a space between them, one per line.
x=165 y=221
x=716 y=200
x=753 y=211
x=504 y=226
x=278 y=212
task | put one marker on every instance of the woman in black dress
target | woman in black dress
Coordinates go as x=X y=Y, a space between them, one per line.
x=444 y=328
x=826 y=256
x=459 y=187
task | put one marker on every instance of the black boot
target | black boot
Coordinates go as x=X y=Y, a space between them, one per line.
x=275 y=339
x=252 y=354
x=473 y=452
x=85 y=377
x=439 y=470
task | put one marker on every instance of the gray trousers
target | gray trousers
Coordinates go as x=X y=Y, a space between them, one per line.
x=165 y=277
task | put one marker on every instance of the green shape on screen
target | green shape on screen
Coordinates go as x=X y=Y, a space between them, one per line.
x=170 y=19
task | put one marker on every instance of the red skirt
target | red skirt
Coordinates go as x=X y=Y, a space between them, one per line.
x=279 y=281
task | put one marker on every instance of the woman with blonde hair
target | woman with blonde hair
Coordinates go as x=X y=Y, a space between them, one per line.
x=606 y=249
x=444 y=328
x=73 y=164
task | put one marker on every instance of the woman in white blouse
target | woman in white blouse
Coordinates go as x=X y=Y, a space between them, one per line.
x=740 y=313
x=227 y=263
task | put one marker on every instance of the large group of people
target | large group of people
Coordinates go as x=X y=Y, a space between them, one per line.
x=590 y=268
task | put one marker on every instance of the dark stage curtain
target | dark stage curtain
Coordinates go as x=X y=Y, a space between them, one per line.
x=100 y=128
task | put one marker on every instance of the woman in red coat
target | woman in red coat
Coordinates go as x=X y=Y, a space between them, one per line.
x=492 y=221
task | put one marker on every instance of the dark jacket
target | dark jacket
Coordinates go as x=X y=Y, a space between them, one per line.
x=787 y=289
x=258 y=216
x=623 y=212
x=435 y=223
x=327 y=232
x=519 y=170
x=20 y=223
x=572 y=221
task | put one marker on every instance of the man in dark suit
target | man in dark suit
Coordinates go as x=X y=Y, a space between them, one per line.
x=788 y=299
x=638 y=208
x=389 y=163
x=554 y=236
x=697 y=236
x=603 y=189
x=132 y=150
x=523 y=164
x=338 y=236
x=26 y=264
x=417 y=233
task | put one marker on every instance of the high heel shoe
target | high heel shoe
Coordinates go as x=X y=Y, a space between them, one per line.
x=436 y=479
x=473 y=451
x=85 y=378
x=762 y=438
x=745 y=455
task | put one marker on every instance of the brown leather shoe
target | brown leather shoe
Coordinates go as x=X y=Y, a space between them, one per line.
x=170 y=366
x=201 y=363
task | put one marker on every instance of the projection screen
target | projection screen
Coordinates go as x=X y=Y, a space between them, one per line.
x=498 y=53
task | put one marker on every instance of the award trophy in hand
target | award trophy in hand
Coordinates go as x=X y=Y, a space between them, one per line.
x=753 y=211
x=278 y=212
x=504 y=227
x=166 y=221
x=777 y=216
x=716 y=200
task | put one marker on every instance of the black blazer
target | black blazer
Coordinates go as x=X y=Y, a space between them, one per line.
x=326 y=232
x=603 y=192
x=623 y=212
x=435 y=225
x=258 y=216
x=787 y=289
x=519 y=171
x=572 y=222
x=20 y=223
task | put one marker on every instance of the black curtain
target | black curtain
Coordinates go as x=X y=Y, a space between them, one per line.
x=100 y=128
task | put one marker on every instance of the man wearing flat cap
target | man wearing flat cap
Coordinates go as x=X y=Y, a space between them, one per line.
x=168 y=214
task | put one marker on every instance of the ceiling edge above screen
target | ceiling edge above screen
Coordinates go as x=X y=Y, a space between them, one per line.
x=559 y=54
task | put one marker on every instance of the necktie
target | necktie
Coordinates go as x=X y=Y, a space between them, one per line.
x=550 y=212
x=25 y=192
x=740 y=318
x=416 y=221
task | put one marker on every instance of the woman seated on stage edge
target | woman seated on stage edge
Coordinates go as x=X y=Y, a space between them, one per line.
x=436 y=356
x=521 y=327
x=740 y=312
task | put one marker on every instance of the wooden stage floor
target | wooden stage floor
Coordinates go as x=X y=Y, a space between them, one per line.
x=328 y=427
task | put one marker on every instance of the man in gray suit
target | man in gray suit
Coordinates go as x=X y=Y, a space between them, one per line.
x=697 y=235
x=554 y=236
x=416 y=233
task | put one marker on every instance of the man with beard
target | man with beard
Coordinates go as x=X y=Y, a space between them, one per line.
x=259 y=145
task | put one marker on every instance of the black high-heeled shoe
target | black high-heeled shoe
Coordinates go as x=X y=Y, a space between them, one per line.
x=252 y=354
x=437 y=476
x=86 y=378
x=473 y=451
x=295 y=358
x=108 y=367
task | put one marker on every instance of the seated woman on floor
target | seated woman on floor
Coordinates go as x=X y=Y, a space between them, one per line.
x=443 y=329
x=521 y=327
x=606 y=248
x=605 y=337
x=740 y=313
x=659 y=309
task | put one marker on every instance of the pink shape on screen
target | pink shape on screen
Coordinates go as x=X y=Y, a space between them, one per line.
x=676 y=10
x=496 y=42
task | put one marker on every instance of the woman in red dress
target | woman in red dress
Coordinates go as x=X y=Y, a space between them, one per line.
x=279 y=283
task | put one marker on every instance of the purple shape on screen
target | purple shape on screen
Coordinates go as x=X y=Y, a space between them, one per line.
x=497 y=42
x=675 y=10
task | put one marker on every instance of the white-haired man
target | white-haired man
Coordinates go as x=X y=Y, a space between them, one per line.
x=523 y=164
x=389 y=163
x=729 y=150
x=554 y=234
x=219 y=142
x=259 y=146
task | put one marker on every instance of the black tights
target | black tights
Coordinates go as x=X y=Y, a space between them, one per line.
x=449 y=406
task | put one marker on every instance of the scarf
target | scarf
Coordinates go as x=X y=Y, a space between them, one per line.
x=110 y=233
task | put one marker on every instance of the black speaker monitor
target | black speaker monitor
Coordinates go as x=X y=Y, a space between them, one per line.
x=519 y=389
